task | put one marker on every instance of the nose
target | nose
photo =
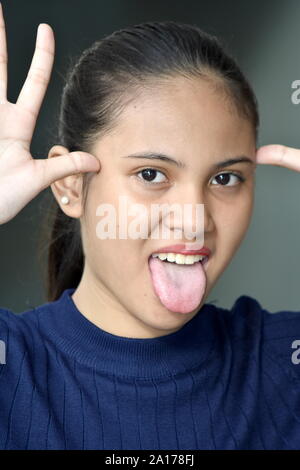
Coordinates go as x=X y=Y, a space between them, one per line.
x=189 y=219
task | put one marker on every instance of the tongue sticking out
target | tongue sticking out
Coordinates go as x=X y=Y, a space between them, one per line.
x=180 y=288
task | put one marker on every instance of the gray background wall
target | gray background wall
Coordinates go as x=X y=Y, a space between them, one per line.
x=263 y=36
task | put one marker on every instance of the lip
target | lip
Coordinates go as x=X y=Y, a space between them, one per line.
x=183 y=250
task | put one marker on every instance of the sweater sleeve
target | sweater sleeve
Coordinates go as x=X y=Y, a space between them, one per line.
x=282 y=341
x=274 y=336
x=267 y=345
x=15 y=383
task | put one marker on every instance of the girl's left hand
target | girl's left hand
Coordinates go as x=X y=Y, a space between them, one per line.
x=279 y=155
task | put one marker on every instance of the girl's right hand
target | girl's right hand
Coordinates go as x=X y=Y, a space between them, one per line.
x=21 y=176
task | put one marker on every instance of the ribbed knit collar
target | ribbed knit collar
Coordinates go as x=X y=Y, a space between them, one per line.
x=148 y=358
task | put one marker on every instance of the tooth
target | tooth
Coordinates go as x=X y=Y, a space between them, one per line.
x=179 y=259
x=171 y=257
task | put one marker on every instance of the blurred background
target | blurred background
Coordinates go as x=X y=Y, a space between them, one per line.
x=263 y=36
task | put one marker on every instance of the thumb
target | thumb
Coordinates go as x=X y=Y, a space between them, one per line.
x=52 y=169
x=279 y=155
x=269 y=154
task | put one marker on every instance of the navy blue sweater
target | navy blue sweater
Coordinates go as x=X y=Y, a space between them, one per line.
x=228 y=379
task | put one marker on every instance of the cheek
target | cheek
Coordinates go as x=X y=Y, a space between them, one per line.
x=117 y=265
x=234 y=222
x=113 y=257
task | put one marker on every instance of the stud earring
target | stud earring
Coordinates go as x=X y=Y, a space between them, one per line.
x=65 y=200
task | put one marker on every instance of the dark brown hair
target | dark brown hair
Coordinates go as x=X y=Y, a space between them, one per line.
x=107 y=75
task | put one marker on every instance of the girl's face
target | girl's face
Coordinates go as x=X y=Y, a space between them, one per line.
x=191 y=122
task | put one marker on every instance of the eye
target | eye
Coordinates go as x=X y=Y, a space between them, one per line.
x=149 y=175
x=225 y=177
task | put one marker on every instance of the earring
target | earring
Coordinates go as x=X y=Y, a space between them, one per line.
x=65 y=200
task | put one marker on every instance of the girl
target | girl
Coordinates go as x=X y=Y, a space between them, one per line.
x=126 y=354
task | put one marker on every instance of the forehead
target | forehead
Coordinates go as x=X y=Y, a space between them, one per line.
x=183 y=116
x=188 y=103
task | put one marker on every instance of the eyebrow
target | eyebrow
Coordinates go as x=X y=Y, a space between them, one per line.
x=180 y=164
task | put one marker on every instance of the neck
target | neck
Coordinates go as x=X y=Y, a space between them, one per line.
x=100 y=306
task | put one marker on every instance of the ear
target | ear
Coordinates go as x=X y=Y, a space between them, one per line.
x=70 y=186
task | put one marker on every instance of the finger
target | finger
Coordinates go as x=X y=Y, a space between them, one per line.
x=49 y=170
x=34 y=88
x=3 y=59
x=279 y=155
